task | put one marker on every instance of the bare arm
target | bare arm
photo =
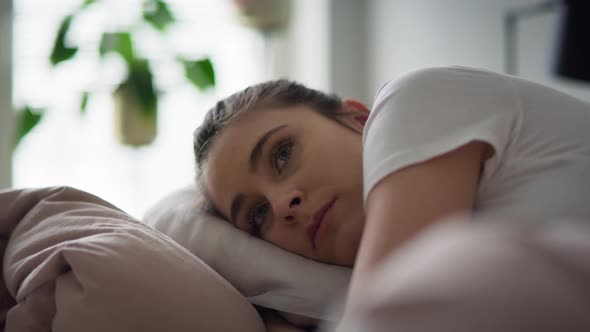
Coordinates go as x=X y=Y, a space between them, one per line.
x=412 y=198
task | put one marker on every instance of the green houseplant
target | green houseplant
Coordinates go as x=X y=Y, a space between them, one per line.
x=135 y=98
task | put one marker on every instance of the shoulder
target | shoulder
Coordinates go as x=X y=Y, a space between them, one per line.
x=431 y=112
x=423 y=82
x=444 y=92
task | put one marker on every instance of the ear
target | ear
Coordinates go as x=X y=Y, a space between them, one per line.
x=357 y=113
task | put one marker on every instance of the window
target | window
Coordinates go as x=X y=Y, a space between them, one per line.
x=68 y=148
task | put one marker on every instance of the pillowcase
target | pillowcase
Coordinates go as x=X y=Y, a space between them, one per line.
x=267 y=275
x=73 y=262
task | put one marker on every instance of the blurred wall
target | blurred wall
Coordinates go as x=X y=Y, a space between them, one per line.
x=6 y=114
x=408 y=34
x=349 y=49
x=325 y=47
x=352 y=47
x=303 y=51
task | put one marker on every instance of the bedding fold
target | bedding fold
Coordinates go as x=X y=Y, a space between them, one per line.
x=74 y=262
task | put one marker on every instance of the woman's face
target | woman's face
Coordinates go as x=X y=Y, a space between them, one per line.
x=294 y=178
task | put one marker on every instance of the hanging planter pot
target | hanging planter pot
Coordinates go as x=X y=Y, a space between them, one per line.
x=265 y=15
x=135 y=105
x=133 y=126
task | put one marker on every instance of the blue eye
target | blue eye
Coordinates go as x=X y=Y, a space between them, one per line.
x=258 y=216
x=281 y=154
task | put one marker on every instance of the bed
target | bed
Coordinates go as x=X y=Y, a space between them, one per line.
x=74 y=262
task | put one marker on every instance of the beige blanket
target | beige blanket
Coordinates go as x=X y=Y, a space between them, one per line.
x=73 y=262
x=487 y=277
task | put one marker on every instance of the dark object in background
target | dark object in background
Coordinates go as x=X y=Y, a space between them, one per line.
x=571 y=48
x=572 y=58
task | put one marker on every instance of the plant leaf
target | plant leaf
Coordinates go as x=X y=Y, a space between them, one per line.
x=84 y=102
x=157 y=13
x=140 y=82
x=60 y=51
x=200 y=73
x=87 y=3
x=118 y=42
x=27 y=119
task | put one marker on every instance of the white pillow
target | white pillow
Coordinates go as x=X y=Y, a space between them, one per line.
x=267 y=275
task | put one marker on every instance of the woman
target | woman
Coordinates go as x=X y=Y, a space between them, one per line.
x=331 y=181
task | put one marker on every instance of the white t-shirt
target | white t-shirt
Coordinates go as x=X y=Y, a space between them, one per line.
x=540 y=169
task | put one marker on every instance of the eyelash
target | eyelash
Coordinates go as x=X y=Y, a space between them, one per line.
x=285 y=143
x=254 y=214
x=260 y=210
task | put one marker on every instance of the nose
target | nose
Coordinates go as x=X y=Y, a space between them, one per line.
x=286 y=206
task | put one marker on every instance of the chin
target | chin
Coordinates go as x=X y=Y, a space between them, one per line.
x=349 y=243
x=345 y=260
x=345 y=254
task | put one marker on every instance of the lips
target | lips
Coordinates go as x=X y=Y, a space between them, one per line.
x=316 y=221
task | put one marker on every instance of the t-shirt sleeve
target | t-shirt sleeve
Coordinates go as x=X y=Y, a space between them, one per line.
x=429 y=112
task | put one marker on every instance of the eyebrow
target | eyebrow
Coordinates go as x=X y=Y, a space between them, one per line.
x=238 y=201
x=257 y=150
